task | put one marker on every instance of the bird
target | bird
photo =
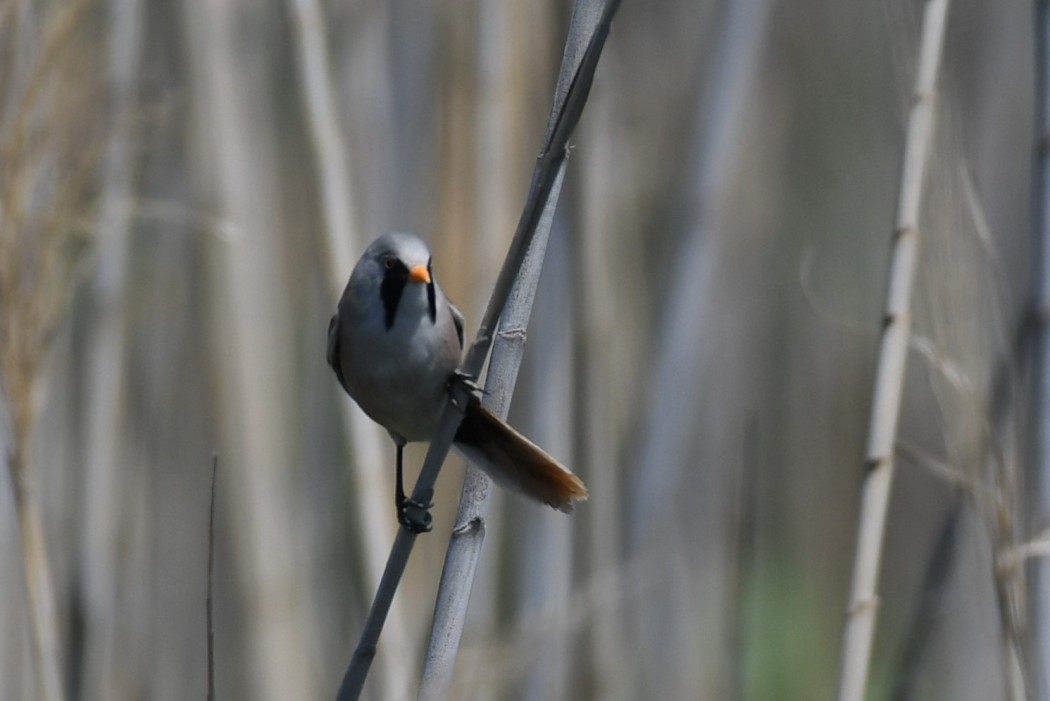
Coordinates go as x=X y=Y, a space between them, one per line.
x=395 y=344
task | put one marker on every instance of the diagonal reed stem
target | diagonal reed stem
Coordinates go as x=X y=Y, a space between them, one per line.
x=555 y=150
x=468 y=534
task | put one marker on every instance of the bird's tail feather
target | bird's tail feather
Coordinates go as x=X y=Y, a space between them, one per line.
x=515 y=462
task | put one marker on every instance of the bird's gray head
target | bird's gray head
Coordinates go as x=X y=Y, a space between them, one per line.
x=399 y=260
x=409 y=249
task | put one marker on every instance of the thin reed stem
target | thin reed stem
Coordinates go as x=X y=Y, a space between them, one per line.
x=859 y=631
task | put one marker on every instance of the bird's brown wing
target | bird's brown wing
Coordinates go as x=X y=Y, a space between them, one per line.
x=333 y=355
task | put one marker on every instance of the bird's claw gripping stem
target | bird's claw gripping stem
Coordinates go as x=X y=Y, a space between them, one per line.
x=467 y=381
x=414 y=516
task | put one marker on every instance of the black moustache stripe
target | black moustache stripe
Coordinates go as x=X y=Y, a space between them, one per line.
x=390 y=291
x=431 y=302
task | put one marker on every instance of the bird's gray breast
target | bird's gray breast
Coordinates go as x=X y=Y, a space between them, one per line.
x=399 y=376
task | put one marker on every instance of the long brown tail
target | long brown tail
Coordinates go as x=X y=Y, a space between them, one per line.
x=515 y=462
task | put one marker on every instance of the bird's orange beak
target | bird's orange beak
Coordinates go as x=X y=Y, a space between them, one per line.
x=419 y=274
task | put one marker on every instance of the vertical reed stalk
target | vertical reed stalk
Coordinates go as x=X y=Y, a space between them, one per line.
x=250 y=325
x=889 y=374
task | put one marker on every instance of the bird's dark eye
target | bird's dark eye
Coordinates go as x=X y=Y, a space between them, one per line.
x=388 y=263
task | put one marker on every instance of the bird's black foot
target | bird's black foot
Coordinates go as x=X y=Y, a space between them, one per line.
x=414 y=516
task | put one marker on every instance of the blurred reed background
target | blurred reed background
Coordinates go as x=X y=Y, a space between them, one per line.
x=184 y=188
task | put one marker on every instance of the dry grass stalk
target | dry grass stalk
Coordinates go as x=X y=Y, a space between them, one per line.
x=209 y=623
x=48 y=152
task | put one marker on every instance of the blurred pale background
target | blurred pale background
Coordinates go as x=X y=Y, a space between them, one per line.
x=185 y=186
